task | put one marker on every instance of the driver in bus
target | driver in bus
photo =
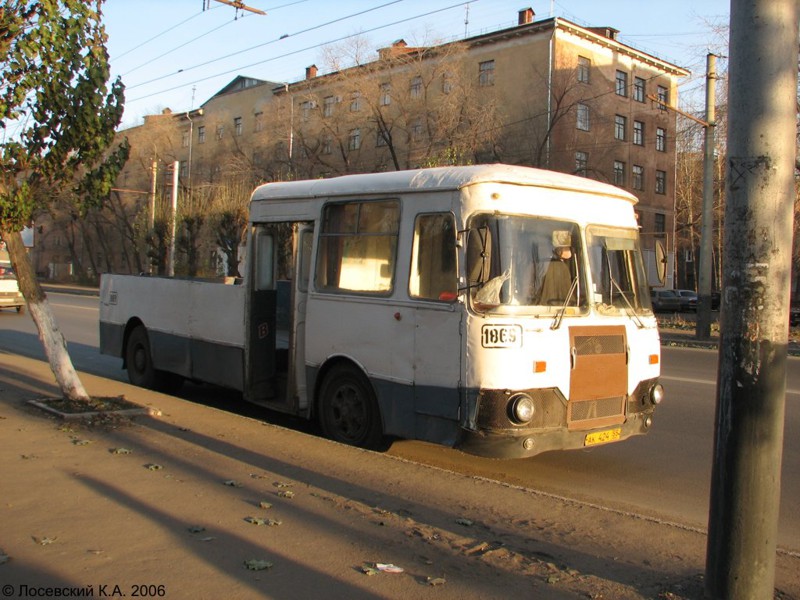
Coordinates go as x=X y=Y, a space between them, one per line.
x=558 y=277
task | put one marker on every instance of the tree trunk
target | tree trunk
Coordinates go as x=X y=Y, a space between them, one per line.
x=55 y=346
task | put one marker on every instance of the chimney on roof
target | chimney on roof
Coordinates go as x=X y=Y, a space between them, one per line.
x=311 y=72
x=526 y=16
x=398 y=48
x=608 y=32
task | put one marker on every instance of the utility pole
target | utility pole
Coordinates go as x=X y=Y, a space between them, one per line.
x=173 y=218
x=703 y=325
x=751 y=380
x=151 y=215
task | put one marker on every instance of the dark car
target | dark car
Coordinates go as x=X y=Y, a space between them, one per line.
x=665 y=301
x=794 y=316
x=688 y=300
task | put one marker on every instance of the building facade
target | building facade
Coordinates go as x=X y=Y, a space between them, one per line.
x=547 y=93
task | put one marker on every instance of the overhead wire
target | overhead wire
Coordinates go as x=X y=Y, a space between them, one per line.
x=158 y=35
x=208 y=62
x=318 y=45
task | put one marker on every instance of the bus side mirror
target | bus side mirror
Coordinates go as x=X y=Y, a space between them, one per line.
x=661 y=261
x=479 y=255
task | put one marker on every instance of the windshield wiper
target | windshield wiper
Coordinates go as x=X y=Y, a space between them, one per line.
x=632 y=312
x=560 y=315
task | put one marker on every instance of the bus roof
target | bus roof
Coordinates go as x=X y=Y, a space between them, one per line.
x=437 y=178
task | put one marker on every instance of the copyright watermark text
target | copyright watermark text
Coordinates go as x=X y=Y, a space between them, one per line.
x=86 y=591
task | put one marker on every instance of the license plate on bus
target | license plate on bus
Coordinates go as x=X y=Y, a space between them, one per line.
x=602 y=437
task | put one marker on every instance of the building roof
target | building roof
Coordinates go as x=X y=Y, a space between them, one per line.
x=241 y=83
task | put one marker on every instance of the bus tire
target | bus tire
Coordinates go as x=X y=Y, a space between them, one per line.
x=348 y=410
x=139 y=363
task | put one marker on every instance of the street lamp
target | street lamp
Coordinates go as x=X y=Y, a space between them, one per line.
x=199 y=113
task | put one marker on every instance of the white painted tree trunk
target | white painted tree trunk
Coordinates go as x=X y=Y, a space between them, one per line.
x=55 y=346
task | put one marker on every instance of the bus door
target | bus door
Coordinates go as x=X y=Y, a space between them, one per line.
x=297 y=392
x=260 y=342
x=437 y=327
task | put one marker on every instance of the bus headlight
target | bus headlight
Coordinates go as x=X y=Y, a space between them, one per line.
x=657 y=393
x=520 y=408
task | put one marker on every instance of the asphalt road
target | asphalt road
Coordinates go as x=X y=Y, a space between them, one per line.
x=664 y=474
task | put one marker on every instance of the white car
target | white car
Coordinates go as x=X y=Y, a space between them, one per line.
x=10 y=296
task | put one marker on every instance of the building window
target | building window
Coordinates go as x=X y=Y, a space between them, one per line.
x=661 y=139
x=201 y=134
x=386 y=94
x=237 y=125
x=416 y=130
x=661 y=224
x=185 y=139
x=358 y=247
x=584 y=66
x=415 y=87
x=638 y=177
x=661 y=182
x=220 y=131
x=354 y=141
x=355 y=102
x=447 y=83
x=619 y=173
x=184 y=170
x=380 y=139
x=259 y=122
x=621 y=86
x=306 y=108
x=620 y=127
x=583 y=117
x=327 y=106
x=663 y=97
x=581 y=163
x=486 y=73
x=638 y=89
x=638 y=133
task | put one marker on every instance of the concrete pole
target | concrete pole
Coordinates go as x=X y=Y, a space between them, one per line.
x=751 y=386
x=173 y=218
x=151 y=215
x=703 y=326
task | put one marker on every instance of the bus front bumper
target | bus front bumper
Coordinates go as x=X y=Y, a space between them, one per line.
x=526 y=443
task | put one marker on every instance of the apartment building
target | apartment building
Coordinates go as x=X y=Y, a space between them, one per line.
x=547 y=93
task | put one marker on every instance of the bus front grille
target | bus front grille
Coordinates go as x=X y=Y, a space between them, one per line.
x=585 y=414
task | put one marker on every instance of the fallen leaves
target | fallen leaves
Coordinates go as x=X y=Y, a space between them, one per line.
x=255 y=564
x=260 y=521
x=44 y=541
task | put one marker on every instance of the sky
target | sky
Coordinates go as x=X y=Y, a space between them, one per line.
x=177 y=55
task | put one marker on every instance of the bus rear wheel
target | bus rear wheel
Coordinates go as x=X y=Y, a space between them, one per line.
x=139 y=363
x=348 y=411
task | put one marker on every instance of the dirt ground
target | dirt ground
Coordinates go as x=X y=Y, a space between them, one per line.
x=199 y=503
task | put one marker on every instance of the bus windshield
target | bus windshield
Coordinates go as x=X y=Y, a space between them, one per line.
x=619 y=283
x=525 y=264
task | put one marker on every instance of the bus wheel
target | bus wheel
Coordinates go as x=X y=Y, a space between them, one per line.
x=138 y=359
x=139 y=362
x=348 y=411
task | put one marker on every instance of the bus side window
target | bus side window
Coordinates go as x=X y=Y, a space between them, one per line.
x=433 y=262
x=265 y=261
